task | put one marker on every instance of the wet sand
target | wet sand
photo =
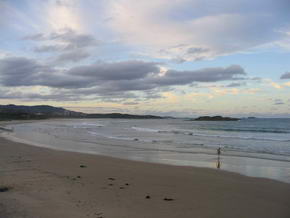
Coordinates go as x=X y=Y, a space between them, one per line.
x=44 y=183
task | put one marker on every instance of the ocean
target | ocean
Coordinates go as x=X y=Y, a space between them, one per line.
x=253 y=147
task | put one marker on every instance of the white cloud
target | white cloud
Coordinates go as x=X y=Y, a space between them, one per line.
x=170 y=29
x=179 y=30
x=63 y=14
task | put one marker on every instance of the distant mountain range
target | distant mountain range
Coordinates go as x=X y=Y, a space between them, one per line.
x=16 y=112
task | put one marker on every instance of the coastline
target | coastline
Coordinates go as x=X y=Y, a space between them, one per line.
x=50 y=183
x=262 y=165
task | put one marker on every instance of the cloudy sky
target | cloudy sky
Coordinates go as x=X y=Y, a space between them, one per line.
x=178 y=57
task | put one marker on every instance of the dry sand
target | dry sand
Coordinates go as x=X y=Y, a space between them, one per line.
x=47 y=183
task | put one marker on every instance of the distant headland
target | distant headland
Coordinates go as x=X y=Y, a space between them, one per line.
x=215 y=118
x=20 y=112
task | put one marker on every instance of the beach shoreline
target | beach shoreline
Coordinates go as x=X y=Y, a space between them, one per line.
x=50 y=183
x=62 y=135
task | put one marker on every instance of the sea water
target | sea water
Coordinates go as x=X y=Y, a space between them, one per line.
x=253 y=147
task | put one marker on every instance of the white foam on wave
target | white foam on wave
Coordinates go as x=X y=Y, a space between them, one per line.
x=113 y=137
x=191 y=133
x=243 y=137
x=142 y=129
x=87 y=125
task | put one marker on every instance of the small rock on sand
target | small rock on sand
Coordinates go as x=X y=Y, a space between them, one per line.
x=4 y=188
x=168 y=199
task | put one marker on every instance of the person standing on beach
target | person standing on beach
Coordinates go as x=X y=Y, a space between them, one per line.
x=219 y=151
x=218 y=163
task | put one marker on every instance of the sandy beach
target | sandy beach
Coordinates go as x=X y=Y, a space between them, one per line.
x=144 y=109
x=48 y=183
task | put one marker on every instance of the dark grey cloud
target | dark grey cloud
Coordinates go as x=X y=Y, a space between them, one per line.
x=173 y=77
x=235 y=84
x=69 y=38
x=127 y=75
x=74 y=39
x=126 y=70
x=151 y=94
x=19 y=71
x=130 y=103
x=69 y=45
x=56 y=96
x=285 y=76
x=141 y=76
x=194 y=50
x=108 y=79
x=125 y=85
x=73 y=56
x=48 y=48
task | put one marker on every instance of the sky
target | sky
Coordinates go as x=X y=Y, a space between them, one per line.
x=183 y=58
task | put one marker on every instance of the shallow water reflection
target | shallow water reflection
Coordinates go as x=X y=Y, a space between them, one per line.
x=218 y=162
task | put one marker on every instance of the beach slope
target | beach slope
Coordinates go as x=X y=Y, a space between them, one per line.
x=37 y=182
